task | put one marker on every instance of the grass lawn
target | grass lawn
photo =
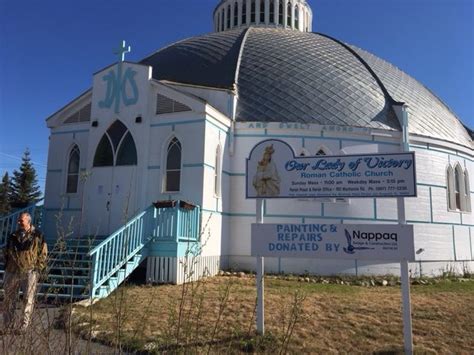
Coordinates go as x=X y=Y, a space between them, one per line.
x=218 y=315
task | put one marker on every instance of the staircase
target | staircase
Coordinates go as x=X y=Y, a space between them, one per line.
x=93 y=267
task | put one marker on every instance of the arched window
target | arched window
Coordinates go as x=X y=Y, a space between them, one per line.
x=467 y=191
x=252 y=11
x=244 y=12
x=173 y=166
x=297 y=17
x=222 y=20
x=280 y=12
x=450 y=190
x=272 y=12
x=228 y=17
x=262 y=11
x=288 y=14
x=116 y=147
x=459 y=187
x=217 y=172
x=321 y=152
x=73 y=170
x=236 y=13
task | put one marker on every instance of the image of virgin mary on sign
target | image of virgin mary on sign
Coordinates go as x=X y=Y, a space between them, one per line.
x=266 y=180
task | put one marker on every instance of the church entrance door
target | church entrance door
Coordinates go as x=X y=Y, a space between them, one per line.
x=112 y=199
x=113 y=184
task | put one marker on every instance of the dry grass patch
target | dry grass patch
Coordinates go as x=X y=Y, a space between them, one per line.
x=218 y=314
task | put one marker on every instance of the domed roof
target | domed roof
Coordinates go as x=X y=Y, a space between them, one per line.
x=290 y=76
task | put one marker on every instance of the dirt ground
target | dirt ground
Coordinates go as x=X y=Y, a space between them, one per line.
x=218 y=315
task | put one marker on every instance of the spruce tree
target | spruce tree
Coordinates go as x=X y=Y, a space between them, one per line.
x=25 y=189
x=5 y=195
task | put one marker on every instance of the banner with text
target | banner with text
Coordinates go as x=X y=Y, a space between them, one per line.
x=334 y=241
x=273 y=171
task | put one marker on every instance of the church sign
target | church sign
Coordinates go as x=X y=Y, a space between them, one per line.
x=273 y=171
x=334 y=241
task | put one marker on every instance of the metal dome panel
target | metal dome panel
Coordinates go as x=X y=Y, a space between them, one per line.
x=429 y=116
x=290 y=76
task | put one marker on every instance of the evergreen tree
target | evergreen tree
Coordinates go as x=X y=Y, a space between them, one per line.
x=25 y=189
x=5 y=195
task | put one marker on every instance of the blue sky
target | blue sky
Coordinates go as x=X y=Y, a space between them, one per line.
x=49 y=50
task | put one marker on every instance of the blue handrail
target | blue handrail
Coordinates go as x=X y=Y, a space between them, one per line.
x=158 y=224
x=121 y=246
x=8 y=223
x=176 y=224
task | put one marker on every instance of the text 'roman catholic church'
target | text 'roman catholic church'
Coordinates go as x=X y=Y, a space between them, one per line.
x=180 y=124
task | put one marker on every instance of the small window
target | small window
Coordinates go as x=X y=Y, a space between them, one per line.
x=288 y=14
x=244 y=13
x=236 y=14
x=222 y=20
x=458 y=187
x=272 y=12
x=252 y=11
x=228 y=17
x=280 y=12
x=467 y=191
x=262 y=11
x=297 y=17
x=450 y=190
x=73 y=170
x=173 y=166
x=217 y=172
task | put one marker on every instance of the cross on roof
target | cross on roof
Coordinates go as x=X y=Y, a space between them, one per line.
x=122 y=51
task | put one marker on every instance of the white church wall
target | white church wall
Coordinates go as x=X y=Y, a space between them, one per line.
x=462 y=243
x=57 y=201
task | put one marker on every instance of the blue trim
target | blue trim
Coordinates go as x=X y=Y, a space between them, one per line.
x=54 y=170
x=216 y=126
x=341 y=219
x=70 y=132
x=233 y=174
x=443 y=151
x=454 y=244
x=313 y=137
x=431 y=185
x=176 y=123
x=154 y=167
x=198 y=165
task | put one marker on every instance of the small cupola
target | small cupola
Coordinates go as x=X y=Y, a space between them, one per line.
x=289 y=14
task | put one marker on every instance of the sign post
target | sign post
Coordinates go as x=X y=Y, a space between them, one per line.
x=274 y=171
x=260 y=281
x=404 y=276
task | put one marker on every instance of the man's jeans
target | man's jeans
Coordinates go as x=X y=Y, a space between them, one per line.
x=26 y=281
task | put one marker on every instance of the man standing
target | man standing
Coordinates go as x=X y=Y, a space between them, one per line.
x=25 y=257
